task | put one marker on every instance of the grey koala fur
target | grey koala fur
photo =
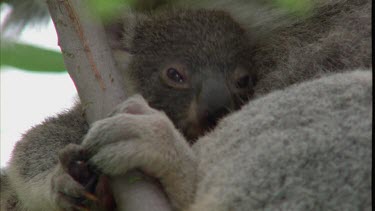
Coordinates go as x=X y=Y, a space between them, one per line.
x=211 y=60
x=307 y=147
x=335 y=37
x=294 y=149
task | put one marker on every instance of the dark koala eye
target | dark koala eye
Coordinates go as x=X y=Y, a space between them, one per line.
x=243 y=82
x=174 y=75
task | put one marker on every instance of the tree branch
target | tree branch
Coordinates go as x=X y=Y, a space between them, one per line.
x=89 y=62
x=87 y=57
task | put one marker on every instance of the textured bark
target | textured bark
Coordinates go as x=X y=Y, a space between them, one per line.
x=89 y=62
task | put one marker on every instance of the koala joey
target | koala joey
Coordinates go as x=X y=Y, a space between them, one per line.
x=194 y=65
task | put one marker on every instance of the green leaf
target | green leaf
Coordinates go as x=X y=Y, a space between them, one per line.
x=29 y=57
x=299 y=7
x=107 y=10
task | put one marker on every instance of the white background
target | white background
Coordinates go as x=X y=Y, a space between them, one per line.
x=28 y=98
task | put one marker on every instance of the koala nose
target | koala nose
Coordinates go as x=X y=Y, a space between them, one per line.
x=214 y=102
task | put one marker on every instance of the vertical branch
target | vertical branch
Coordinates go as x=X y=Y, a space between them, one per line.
x=89 y=62
x=87 y=57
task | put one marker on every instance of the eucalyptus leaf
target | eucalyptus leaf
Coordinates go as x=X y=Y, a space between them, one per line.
x=29 y=57
x=299 y=7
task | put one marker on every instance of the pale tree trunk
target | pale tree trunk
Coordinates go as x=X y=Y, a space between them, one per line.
x=89 y=62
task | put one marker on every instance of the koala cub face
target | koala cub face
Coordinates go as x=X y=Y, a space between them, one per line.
x=193 y=65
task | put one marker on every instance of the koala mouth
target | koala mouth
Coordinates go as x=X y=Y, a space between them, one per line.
x=197 y=122
x=193 y=130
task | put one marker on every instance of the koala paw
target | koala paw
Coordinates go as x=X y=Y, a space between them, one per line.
x=136 y=136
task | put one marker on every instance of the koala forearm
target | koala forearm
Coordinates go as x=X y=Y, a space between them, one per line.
x=35 y=157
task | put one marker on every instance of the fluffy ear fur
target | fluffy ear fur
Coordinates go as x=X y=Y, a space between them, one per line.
x=120 y=32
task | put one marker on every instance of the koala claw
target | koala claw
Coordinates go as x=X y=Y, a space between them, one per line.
x=69 y=194
x=73 y=181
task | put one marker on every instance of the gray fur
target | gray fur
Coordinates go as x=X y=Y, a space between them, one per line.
x=35 y=157
x=335 y=36
x=9 y=199
x=336 y=39
x=304 y=148
x=238 y=170
x=148 y=141
x=72 y=124
x=159 y=40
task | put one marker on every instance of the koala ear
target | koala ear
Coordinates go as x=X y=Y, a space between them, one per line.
x=121 y=32
x=115 y=34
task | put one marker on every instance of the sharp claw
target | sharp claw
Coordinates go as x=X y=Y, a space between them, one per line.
x=90 y=196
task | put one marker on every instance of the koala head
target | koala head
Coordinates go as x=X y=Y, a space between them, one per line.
x=195 y=65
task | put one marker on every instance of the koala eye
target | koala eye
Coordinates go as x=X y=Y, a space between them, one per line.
x=175 y=77
x=243 y=82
